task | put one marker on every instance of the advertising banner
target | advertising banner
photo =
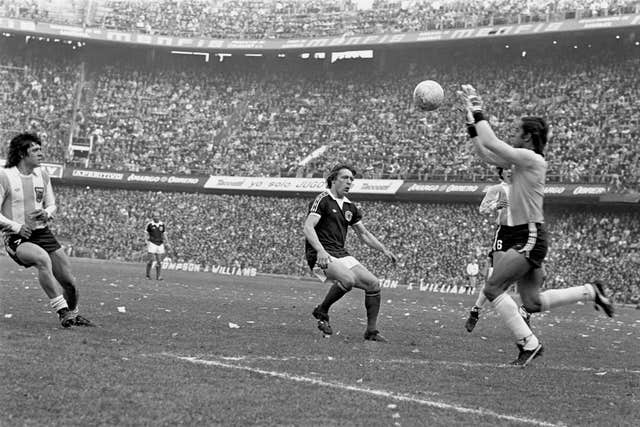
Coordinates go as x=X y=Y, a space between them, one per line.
x=134 y=180
x=374 y=189
x=425 y=190
x=299 y=185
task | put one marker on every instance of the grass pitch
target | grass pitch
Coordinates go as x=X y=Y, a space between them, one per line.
x=205 y=349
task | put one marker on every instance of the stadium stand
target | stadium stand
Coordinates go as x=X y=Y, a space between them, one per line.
x=260 y=19
x=182 y=118
x=145 y=111
x=433 y=240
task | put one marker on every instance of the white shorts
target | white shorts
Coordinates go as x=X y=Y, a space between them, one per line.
x=347 y=261
x=152 y=248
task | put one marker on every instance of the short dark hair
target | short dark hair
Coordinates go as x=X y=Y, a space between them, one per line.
x=336 y=169
x=19 y=146
x=538 y=129
x=500 y=170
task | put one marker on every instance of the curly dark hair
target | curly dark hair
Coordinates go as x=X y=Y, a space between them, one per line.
x=18 y=148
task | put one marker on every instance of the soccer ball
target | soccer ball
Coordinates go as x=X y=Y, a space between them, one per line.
x=428 y=95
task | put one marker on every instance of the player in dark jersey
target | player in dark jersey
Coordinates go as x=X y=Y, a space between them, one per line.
x=526 y=239
x=156 y=241
x=330 y=216
x=27 y=206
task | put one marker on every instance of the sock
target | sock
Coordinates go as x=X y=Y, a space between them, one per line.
x=58 y=303
x=508 y=310
x=559 y=297
x=336 y=291
x=481 y=299
x=149 y=268
x=157 y=270
x=71 y=295
x=372 y=304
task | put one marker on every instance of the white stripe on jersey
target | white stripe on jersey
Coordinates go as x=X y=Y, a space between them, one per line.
x=316 y=202
x=18 y=198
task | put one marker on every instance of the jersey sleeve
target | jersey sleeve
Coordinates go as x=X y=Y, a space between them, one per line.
x=318 y=206
x=6 y=224
x=357 y=215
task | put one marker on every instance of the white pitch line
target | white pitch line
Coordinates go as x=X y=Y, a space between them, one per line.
x=448 y=363
x=375 y=392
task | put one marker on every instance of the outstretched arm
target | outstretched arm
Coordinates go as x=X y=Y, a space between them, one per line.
x=370 y=240
x=505 y=153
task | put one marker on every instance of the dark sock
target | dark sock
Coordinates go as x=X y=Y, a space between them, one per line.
x=372 y=304
x=157 y=271
x=335 y=293
x=71 y=295
x=149 y=268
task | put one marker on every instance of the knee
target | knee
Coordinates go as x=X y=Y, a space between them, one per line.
x=373 y=287
x=346 y=283
x=491 y=291
x=531 y=303
x=42 y=263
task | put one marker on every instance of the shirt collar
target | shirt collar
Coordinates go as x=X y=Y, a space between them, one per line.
x=336 y=199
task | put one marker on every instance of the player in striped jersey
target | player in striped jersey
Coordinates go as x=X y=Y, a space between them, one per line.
x=495 y=202
x=325 y=229
x=525 y=239
x=27 y=205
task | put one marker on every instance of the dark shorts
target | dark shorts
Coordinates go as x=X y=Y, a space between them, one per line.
x=530 y=240
x=41 y=237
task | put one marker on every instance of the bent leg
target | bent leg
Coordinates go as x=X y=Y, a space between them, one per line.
x=61 y=268
x=343 y=281
x=34 y=255
x=372 y=295
x=511 y=267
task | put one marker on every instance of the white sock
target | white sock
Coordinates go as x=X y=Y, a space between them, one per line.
x=508 y=310
x=481 y=299
x=558 y=297
x=58 y=303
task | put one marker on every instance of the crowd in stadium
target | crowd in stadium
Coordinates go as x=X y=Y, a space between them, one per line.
x=259 y=19
x=189 y=120
x=184 y=118
x=434 y=241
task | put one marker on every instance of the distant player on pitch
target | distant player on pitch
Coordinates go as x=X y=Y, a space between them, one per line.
x=27 y=205
x=525 y=240
x=156 y=240
x=329 y=218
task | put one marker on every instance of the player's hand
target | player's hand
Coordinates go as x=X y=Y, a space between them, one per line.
x=501 y=204
x=323 y=260
x=25 y=231
x=470 y=98
x=392 y=257
x=39 y=215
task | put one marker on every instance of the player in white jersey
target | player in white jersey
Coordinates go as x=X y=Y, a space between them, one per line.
x=525 y=239
x=27 y=205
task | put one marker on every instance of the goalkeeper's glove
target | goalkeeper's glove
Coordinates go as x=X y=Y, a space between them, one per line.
x=473 y=102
